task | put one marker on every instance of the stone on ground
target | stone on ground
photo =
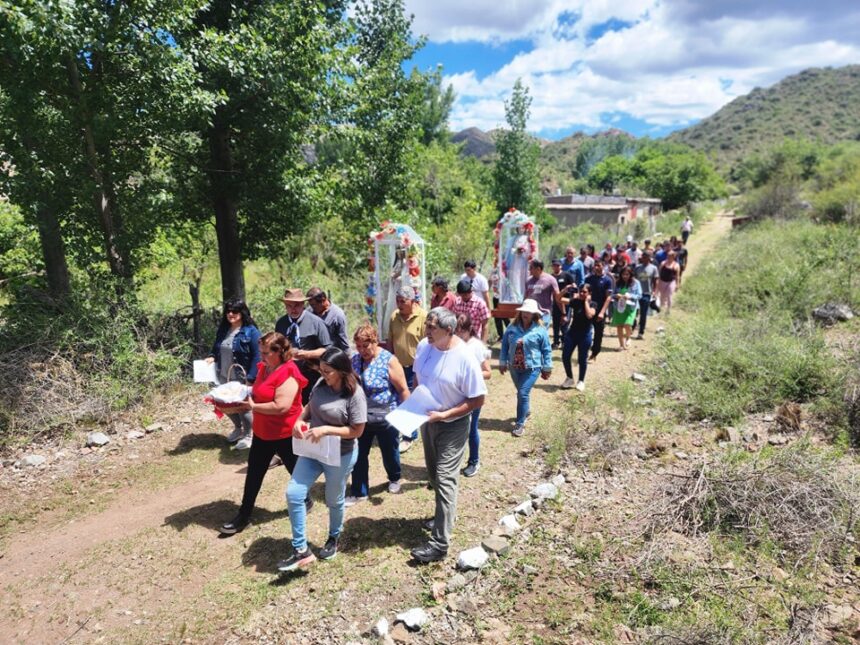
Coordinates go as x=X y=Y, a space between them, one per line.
x=457 y=582
x=154 y=427
x=496 y=544
x=546 y=490
x=558 y=480
x=475 y=558
x=97 y=439
x=525 y=508
x=33 y=460
x=510 y=524
x=832 y=313
x=414 y=619
x=381 y=627
x=134 y=434
x=638 y=377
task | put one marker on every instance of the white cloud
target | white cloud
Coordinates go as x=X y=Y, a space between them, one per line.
x=665 y=62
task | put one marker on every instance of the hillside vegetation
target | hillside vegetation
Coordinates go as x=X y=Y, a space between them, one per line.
x=818 y=104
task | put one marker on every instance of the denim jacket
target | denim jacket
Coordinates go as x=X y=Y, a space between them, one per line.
x=536 y=346
x=246 y=349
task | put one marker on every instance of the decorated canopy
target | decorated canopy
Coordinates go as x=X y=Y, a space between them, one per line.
x=395 y=260
x=515 y=244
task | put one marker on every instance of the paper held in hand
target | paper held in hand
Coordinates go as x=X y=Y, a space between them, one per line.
x=414 y=411
x=204 y=372
x=327 y=451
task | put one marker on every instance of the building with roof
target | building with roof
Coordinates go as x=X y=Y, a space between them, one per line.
x=603 y=210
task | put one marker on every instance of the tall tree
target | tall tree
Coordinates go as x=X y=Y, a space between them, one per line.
x=265 y=63
x=516 y=178
x=107 y=79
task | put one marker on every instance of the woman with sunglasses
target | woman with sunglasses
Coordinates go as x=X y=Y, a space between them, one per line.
x=237 y=342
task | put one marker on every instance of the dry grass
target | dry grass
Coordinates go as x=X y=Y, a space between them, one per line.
x=803 y=501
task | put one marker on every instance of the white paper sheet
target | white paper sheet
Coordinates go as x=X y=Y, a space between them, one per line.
x=327 y=451
x=204 y=372
x=414 y=411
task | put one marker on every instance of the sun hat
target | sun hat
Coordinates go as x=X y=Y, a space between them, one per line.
x=529 y=306
x=294 y=295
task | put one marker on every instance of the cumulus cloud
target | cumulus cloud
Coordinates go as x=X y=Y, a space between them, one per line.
x=664 y=62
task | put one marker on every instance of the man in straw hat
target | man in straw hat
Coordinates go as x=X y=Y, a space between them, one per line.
x=307 y=334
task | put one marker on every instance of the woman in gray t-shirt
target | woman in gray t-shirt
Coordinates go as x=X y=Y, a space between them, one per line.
x=337 y=408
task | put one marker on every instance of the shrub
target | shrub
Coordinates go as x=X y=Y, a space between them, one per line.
x=730 y=367
x=80 y=365
x=799 y=498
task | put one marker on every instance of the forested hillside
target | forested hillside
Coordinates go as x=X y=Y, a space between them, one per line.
x=816 y=104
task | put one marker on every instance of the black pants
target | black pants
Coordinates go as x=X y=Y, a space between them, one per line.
x=259 y=457
x=557 y=331
x=501 y=323
x=597 y=343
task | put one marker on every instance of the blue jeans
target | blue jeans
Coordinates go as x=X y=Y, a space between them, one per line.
x=474 y=438
x=306 y=472
x=581 y=342
x=644 y=307
x=389 y=445
x=524 y=381
x=410 y=383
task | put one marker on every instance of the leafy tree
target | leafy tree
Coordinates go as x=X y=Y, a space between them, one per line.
x=89 y=86
x=610 y=173
x=516 y=179
x=435 y=108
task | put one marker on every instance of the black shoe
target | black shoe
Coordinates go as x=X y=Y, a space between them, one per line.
x=309 y=504
x=297 y=560
x=236 y=525
x=471 y=469
x=428 y=525
x=330 y=549
x=428 y=553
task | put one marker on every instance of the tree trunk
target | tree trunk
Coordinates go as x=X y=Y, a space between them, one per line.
x=226 y=219
x=54 y=254
x=104 y=196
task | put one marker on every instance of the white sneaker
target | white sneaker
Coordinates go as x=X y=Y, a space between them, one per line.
x=581 y=386
x=237 y=434
x=243 y=444
x=352 y=500
x=394 y=487
x=568 y=384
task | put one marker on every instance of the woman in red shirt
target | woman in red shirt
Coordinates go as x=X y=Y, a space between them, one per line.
x=276 y=403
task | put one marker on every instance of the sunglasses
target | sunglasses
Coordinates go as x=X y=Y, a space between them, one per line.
x=234 y=311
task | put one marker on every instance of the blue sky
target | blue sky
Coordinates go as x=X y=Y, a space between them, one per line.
x=645 y=66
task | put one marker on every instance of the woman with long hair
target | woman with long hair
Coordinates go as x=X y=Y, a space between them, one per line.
x=276 y=401
x=237 y=342
x=628 y=291
x=337 y=408
x=581 y=312
x=527 y=353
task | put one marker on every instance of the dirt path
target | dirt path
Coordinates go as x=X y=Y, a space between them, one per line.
x=150 y=566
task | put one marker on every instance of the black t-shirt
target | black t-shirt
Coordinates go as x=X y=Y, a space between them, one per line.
x=563 y=279
x=580 y=323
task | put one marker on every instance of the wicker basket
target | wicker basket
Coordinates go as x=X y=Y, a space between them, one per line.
x=232 y=408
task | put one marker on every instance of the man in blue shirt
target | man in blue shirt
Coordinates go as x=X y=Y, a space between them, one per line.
x=601 y=295
x=573 y=265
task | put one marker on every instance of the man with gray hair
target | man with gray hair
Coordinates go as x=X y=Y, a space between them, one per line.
x=449 y=370
x=405 y=331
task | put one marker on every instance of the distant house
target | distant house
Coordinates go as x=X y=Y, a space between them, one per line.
x=604 y=210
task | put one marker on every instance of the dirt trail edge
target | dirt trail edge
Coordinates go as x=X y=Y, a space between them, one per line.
x=150 y=567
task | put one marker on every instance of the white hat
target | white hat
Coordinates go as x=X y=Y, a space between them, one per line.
x=629 y=238
x=529 y=306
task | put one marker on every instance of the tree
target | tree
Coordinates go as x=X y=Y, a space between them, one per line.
x=90 y=86
x=435 y=108
x=516 y=178
x=607 y=175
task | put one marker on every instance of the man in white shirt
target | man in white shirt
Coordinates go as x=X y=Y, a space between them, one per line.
x=449 y=370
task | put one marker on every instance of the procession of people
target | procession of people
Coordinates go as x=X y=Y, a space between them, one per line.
x=308 y=384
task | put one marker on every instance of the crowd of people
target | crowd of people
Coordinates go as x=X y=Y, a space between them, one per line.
x=308 y=383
